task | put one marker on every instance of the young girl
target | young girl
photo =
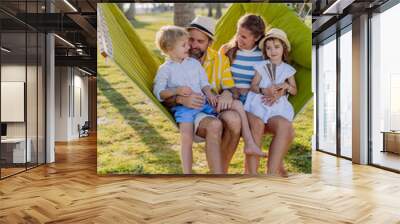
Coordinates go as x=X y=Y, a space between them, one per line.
x=275 y=78
x=182 y=75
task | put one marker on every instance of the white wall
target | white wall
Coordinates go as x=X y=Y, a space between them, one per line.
x=81 y=100
x=61 y=103
x=11 y=73
x=15 y=73
x=70 y=83
x=12 y=101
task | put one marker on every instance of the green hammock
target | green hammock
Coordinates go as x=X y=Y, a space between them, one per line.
x=119 y=41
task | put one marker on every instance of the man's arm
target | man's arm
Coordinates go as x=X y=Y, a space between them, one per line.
x=167 y=93
x=225 y=100
x=194 y=101
x=171 y=101
x=228 y=84
x=179 y=91
x=212 y=99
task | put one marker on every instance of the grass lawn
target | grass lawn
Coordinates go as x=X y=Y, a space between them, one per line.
x=134 y=137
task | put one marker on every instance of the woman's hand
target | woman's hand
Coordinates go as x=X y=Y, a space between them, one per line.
x=268 y=100
x=255 y=83
x=224 y=101
x=270 y=91
x=235 y=93
x=271 y=94
x=255 y=89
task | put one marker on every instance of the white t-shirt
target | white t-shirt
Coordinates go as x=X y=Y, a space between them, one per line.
x=172 y=74
x=283 y=72
x=282 y=106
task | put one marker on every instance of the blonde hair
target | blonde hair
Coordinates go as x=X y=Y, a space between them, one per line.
x=167 y=37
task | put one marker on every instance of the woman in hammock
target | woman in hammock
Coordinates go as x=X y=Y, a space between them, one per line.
x=243 y=54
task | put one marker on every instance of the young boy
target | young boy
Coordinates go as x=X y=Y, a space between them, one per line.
x=182 y=75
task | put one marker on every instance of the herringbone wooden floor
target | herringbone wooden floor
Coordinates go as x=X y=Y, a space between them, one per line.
x=70 y=191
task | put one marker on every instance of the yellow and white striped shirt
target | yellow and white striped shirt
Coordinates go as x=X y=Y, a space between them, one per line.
x=218 y=70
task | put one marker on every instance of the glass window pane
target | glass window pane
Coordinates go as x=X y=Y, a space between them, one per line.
x=13 y=87
x=23 y=86
x=41 y=98
x=31 y=97
x=327 y=97
x=35 y=86
x=346 y=94
x=385 y=87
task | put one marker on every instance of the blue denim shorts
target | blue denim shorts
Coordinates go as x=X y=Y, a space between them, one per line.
x=185 y=114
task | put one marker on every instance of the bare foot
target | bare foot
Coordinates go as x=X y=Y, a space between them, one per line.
x=282 y=171
x=273 y=174
x=254 y=150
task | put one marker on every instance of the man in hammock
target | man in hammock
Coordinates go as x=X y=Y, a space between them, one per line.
x=221 y=133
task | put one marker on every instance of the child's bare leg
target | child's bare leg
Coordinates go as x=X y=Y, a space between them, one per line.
x=257 y=129
x=250 y=147
x=283 y=133
x=186 y=130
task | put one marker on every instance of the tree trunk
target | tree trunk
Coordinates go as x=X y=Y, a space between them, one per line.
x=121 y=6
x=210 y=7
x=218 y=12
x=183 y=14
x=130 y=14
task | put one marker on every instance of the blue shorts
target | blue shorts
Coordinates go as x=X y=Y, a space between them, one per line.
x=242 y=98
x=185 y=114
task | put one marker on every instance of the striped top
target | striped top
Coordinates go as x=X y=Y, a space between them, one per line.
x=242 y=67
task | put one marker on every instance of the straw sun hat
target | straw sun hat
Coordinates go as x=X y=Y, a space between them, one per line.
x=204 y=24
x=275 y=33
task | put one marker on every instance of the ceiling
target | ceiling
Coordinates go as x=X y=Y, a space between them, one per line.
x=72 y=20
x=328 y=15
